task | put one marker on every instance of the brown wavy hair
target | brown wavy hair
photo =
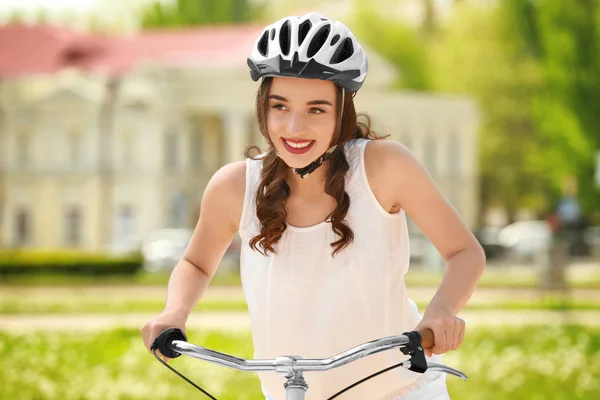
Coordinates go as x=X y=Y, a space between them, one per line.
x=273 y=189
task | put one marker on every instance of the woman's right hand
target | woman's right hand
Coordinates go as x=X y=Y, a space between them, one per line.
x=165 y=320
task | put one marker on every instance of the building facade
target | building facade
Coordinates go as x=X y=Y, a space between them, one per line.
x=74 y=175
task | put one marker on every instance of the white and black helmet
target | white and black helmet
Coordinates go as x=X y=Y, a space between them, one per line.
x=311 y=46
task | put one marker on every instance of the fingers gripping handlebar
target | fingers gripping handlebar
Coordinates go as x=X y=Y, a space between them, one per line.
x=164 y=341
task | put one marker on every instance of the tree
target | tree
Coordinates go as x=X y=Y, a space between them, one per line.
x=16 y=17
x=41 y=16
x=402 y=45
x=564 y=38
x=183 y=13
x=479 y=55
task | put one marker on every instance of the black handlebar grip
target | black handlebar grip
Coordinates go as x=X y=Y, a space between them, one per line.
x=164 y=341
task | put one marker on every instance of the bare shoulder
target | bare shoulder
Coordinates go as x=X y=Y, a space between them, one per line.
x=390 y=159
x=386 y=152
x=387 y=164
x=225 y=191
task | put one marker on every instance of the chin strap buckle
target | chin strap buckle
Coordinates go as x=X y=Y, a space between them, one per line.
x=310 y=168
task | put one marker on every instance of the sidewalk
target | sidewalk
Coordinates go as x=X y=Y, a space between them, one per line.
x=241 y=321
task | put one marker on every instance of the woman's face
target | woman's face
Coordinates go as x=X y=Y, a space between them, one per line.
x=301 y=118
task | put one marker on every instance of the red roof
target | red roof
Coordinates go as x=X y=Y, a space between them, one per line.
x=46 y=49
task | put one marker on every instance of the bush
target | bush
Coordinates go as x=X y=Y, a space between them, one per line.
x=503 y=363
x=26 y=262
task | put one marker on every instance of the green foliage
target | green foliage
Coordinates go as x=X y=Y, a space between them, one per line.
x=416 y=277
x=479 y=55
x=17 y=262
x=534 y=68
x=502 y=363
x=115 y=365
x=41 y=16
x=182 y=13
x=16 y=17
x=546 y=362
x=400 y=44
x=564 y=38
x=121 y=302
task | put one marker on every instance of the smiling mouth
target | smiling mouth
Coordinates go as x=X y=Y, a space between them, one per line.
x=298 y=147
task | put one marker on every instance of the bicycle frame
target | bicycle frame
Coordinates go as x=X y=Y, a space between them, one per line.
x=173 y=343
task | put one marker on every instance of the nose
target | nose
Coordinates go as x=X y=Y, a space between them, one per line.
x=296 y=125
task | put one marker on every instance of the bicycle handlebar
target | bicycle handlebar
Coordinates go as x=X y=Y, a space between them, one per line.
x=173 y=342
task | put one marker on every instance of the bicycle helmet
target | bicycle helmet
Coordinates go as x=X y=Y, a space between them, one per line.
x=311 y=46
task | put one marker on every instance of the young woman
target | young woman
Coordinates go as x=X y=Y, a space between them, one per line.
x=322 y=215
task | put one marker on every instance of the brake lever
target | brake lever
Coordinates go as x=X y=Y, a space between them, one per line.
x=446 y=369
x=413 y=348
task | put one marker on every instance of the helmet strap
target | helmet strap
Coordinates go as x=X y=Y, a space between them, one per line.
x=310 y=168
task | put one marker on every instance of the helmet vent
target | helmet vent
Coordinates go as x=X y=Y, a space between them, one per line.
x=285 y=38
x=303 y=30
x=318 y=40
x=343 y=52
x=263 y=44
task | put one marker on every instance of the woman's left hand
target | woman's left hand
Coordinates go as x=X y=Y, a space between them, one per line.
x=448 y=330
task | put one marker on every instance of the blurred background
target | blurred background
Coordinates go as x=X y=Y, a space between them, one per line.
x=114 y=114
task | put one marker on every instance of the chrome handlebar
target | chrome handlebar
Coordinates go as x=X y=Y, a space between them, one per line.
x=290 y=366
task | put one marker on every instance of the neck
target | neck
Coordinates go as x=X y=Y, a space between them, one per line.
x=311 y=184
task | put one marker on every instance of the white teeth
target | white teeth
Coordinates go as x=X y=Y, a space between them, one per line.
x=298 y=145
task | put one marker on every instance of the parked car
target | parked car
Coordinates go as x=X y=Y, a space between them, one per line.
x=163 y=248
x=488 y=238
x=526 y=239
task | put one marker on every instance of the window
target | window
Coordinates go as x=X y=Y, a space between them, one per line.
x=454 y=171
x=195 y=147
x=125 y=224
x=22 y=227
x=23 y=141
x=178 y=211
x=430 y=155
x=74 y=139
x=454 y=155
x=254 y=136
x=171 y=147
x=405 y=138
x=73 y=226
x=127 y=146
x=2 y=140
x=1 y=220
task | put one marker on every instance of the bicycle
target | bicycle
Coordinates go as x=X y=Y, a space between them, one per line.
x=173 y=342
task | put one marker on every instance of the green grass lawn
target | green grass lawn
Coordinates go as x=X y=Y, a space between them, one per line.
x=530 y=363
x=11 y=305
x=493 y=277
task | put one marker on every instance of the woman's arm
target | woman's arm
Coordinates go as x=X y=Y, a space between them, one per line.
x=220 y=213
x=401 y=181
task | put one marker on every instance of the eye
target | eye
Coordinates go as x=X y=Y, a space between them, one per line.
x=316 y=110
x=279 y=107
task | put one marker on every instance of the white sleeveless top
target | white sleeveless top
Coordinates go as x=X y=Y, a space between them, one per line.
x=302 y=301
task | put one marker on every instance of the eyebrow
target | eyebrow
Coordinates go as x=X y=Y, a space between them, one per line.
x=312 y=102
